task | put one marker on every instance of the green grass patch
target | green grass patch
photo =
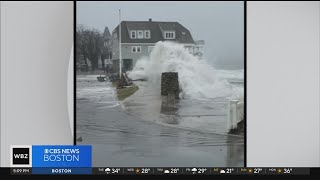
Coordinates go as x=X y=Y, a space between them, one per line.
x=123 y=93
x=115 y=83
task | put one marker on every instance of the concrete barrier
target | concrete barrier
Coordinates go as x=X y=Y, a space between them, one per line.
x=235 y=117
x=169 y=92
x=170 y=84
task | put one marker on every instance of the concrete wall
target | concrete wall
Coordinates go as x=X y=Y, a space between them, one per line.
x=169 y=92
x=170 y=84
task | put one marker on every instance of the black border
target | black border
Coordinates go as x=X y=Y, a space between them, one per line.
x=245 y=81
x=74 y=73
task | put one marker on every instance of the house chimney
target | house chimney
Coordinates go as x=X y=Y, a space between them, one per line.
x=150 y=19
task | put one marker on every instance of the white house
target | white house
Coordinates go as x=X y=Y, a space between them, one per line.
x=139 y=37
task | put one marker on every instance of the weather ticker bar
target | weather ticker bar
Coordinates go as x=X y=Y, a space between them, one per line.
x=163 y=171
x=199 y=171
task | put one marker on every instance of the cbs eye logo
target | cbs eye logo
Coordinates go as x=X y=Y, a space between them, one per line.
x=21 y=156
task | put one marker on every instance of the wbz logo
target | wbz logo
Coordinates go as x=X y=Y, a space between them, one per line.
x=21 y=156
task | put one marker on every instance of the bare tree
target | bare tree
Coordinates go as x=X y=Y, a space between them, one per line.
x=81 y=44
x=89 y=44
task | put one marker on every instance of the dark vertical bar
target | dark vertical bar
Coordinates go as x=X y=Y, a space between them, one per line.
x=74 y=71
x=0 y=83
x=245 y=82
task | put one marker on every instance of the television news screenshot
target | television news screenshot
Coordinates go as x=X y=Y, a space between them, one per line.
x=160 y=88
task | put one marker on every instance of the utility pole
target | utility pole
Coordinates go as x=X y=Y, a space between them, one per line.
x=120 y=57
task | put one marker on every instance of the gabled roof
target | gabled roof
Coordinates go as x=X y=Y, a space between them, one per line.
x=106 y=33
x=182 y=34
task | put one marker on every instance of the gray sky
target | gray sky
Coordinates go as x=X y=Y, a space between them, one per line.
x=220 y=24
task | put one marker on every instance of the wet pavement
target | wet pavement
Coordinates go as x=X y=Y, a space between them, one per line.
x=135 y=133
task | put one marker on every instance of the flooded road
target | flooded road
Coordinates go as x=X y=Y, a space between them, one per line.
x=135 y=133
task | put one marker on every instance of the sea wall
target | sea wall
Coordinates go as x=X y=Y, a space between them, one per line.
x=170 y=84
x=169 y=92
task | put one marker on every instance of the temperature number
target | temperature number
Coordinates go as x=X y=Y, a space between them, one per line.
x=257 y=170
x=287 y=170
x=229 y=170
x=174 y=170
x=202 y=170
x=145 y=170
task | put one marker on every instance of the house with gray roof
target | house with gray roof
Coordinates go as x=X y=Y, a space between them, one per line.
x=139 y=37
x=106 y=55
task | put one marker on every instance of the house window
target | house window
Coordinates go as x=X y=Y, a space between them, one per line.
x=150 y=48
x=191 y=50
x=169 y=35
x=136 y=49
x=201 y=49
x=133 y=34
x=147 y=34
x=140 y=34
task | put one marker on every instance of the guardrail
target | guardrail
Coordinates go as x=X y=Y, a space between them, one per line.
x=235 y=113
